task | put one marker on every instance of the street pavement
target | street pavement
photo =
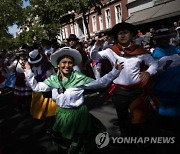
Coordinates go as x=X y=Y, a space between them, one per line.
x=21 y=134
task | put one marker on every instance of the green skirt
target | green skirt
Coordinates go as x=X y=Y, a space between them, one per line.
x=75 y=130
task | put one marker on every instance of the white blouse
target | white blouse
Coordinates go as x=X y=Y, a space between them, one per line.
x=130 y=74
x=72 y=97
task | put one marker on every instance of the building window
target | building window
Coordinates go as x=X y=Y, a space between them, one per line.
x=118 y=13
x=101 y=22
x=63 y=34
x=72 y=29
x=108 y=18
x=94 y=26
x=76 y=29
x=66 y=32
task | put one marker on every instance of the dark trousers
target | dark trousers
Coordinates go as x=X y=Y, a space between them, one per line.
x=122 y=100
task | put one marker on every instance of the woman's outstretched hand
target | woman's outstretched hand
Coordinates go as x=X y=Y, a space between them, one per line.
x=119 y=66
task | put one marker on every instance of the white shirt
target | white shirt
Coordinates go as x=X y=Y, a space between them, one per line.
x=130 y=74
x=72 y=97
x=175 y=61
x=12 y=67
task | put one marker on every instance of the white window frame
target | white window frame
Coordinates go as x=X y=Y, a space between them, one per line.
x=101 y=22
x=108 y=18
x=118 y=14
x=94 y=23
x=76 y=29
x=63 y=34
x=72 y=29
x=66 y=32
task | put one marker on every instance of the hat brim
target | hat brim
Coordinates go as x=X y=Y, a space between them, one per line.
x=164 y=36
x=66 y=51
x=123 y=26
x=21 y=53
x=68 y=39
x=36 y=61
x=178 y=28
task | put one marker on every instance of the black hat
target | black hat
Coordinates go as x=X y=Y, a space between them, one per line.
x=21 y=52
x=123 y=26
x=72 y=37
x=163 y=33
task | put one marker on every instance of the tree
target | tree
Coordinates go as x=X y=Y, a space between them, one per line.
x=48 y=14
x=10 y=13
x=53 y=13
x=43 y=18
x=82 y=7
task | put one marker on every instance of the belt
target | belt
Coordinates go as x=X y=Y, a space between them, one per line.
x=130 y=87
x=112 y=87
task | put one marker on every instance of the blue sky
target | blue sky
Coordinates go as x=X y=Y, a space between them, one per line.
x=25 y=3
x=13 y=29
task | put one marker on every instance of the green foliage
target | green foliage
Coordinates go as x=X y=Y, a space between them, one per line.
x=54 y=13
x=10 y=13
x=43 y=18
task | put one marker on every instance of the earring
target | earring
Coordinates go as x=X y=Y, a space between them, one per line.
x=58 y=71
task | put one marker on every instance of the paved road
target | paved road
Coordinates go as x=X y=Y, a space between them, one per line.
x=21 y=134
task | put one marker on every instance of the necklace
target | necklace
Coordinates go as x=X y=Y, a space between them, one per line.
x=63 y=89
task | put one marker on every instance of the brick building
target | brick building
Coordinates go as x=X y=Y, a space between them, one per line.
x=113 y=12
x=143 y=13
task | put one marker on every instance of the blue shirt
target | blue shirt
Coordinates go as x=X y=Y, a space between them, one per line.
x=160 y=52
